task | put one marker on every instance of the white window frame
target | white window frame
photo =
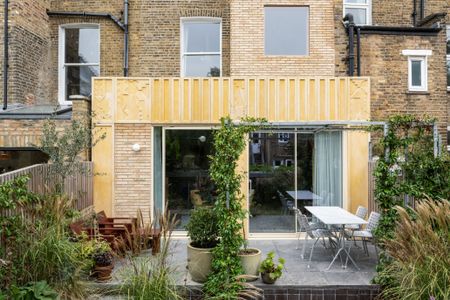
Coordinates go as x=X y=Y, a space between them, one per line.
x=448 y=54
x=422 y=56
x=183 y=53
x=62 y=97
x=367 y=6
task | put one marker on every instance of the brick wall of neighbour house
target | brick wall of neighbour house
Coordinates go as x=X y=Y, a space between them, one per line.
x=28 y=51
x=111 y=36
x=383 y=61
x=26 y=133
x=23 y=133
x=247 y=41
x=133 y=181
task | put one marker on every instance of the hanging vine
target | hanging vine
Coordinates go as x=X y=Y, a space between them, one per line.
x=229 y=143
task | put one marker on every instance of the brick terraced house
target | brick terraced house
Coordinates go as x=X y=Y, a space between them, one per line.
x=159 y=75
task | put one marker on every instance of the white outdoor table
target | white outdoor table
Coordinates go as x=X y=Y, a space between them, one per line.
x=333 y=215
x=303 y=195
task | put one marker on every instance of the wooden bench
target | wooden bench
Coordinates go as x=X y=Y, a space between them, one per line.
x=111 y=225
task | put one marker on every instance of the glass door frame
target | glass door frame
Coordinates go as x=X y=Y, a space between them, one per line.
x=295 y=131
x=176 y=233
x=279 y=235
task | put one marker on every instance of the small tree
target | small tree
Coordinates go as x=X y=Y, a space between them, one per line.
x=64 y=148
x=229 y=143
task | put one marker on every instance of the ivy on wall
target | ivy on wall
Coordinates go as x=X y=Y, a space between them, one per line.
x=408 y=169
x=229 y=143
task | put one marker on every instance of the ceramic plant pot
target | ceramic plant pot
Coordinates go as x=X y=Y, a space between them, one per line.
x=266 y=278
x=199 y=262
x=250 y=259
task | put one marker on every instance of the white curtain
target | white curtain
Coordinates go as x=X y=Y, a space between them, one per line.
x=327 y=181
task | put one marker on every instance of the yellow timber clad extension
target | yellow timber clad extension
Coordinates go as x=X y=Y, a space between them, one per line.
x=126 y=109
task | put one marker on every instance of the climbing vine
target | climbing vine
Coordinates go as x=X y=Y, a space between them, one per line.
x=408 y=169
x=229 y=143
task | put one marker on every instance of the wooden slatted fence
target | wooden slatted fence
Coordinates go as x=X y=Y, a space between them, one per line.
x=78 y=187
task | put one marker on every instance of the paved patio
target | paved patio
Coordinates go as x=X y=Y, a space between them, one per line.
x=296 y=269
x=298 y=281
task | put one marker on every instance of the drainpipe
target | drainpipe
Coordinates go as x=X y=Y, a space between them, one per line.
x=358 y=51
x=126 y=36
x=351 y=50
x=5 y=57
x=422 y=9
x=414 y=14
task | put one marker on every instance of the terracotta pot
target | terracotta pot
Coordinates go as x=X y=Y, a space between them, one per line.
x=250 y=262
x=266 y=278
x=103 y=273
x=199 y=262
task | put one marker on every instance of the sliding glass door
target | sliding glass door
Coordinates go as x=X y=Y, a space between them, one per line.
x=187 y=183
x=292 y=170
x=272 y=176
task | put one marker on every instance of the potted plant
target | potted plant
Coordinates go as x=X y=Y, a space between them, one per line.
x=270 y=272
x=203 y=233
x=250 y=259
x=104 y=265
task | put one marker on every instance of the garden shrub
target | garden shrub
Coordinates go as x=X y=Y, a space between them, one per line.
x=152 y=277
x=419 y=265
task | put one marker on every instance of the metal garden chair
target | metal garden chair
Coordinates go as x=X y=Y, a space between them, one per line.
x=315 y=234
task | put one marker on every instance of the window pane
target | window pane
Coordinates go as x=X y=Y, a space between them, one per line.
x=201 y=37
x=78 y=80
x=359 y=15
x=448 y=40
x=448 y=72
x=416 y=72
x=187 y=181
x=272 y=177
x=202 y=65
x=355 y=1
x=82 y=45
x=286 y=30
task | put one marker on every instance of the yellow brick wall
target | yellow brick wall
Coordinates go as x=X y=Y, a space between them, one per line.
x=247 y=40
x=133 y=170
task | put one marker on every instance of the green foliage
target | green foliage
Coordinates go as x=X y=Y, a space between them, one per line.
x=15 y=193
x=91 y=247
x=150 y=280
x=409 y=168
x=151 y=277
x=36 y=245
x=419 y=266
x=50 y=255
x=229 y=143
x=269 y=266
x=202 y=228
x=65 y=147
x=34 y=291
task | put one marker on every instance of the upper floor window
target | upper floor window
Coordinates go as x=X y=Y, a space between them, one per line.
x=417 y=69
x=448 y=57
x=201 y=44
x=286 y=30
x=360 y=9
x=79 y=59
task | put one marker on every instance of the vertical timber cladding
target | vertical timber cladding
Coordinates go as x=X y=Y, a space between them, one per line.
x=127 y=108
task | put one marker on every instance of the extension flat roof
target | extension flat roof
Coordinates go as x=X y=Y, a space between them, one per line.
x=33 y=112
